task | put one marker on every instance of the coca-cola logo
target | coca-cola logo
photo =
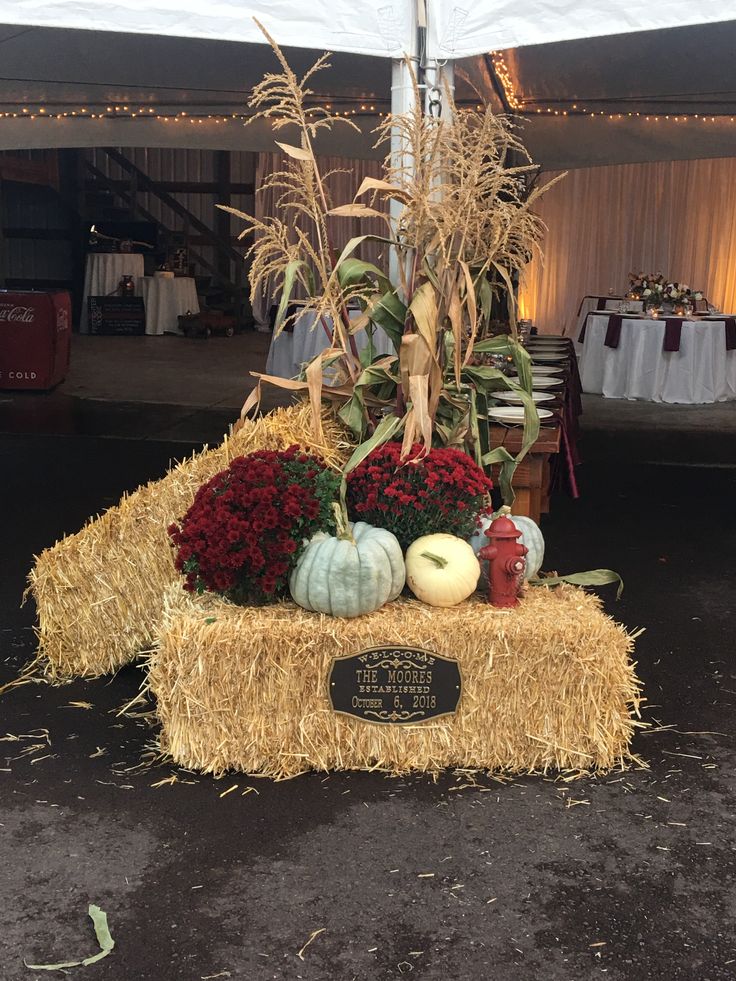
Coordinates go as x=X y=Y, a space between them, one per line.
x=10 y=313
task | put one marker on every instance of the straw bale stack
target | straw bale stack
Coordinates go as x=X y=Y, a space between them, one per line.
x=548 y=686
x=99 y=593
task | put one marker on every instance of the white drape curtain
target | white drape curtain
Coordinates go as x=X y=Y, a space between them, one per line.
x=344 y=177
x=676 y=217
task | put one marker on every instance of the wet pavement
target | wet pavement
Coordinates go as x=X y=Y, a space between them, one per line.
x=627 y=876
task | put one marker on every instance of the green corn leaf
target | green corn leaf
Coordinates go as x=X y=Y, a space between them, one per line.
x=104 y=939
x=507 y=468
x=389 y=313
x=352 y=414
x=595 y=577
x=352 y=271
x=494 y=345
x=291 y=277
x=388 y=426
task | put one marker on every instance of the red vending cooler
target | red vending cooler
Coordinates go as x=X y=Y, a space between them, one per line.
x=35 y=331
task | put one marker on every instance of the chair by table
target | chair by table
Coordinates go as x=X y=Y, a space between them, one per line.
x=102 y=276
x=166 y=299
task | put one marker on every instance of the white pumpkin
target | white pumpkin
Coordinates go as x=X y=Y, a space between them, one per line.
x=531 y=536
x=441 y=570
x=350 y=574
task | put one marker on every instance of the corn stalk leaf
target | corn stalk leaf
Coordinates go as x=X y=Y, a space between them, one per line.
x=423 y=307
x=297 y=152
x=291 y=276
x=506 y=469
x=352 y=413
x=356 y=211
x=595 y=577
x=350 y=272
x=504 y=274
x=357 y=240
x=374 y=184
x=104 y=939
x=388 y=426
x=389 y=313
x=472 y=308
x=455 y=314
x=419 y=396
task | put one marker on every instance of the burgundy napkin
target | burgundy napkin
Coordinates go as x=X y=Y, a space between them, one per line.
x=672 y=332
x=613 y=332
x=731 y=333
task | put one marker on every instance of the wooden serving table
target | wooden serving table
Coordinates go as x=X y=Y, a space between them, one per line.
x=532 y=476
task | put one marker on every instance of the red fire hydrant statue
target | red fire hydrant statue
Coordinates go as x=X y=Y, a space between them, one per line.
x=506 y=562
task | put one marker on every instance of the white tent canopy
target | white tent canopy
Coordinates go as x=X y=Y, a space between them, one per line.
x=365 y=27
x=458 y=31
x=335 y=25
x=178 y=56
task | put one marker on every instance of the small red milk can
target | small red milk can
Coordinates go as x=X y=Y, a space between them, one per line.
x=506 y=562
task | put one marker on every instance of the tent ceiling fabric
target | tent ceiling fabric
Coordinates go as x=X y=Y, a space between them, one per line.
x=461 y=30
x=356 y=26
x=41 y=64
x=680 y=70
x=365 y=27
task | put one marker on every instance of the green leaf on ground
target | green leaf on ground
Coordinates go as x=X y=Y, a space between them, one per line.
x=104 y=939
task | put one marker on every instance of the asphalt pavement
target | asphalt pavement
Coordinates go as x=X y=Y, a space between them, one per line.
x=362 y=876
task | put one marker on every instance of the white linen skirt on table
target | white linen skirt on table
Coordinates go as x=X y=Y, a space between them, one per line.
x=166 y=300
x=291 y=350
x=702 y=371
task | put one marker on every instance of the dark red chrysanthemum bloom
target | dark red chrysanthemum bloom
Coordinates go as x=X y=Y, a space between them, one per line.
x=440 y=492
x=247 y=526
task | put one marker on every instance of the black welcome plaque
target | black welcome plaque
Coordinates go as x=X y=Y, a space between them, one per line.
x=123 y=315
x=395 y=685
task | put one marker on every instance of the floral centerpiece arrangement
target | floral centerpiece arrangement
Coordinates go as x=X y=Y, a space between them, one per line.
x=658 y=291
x=646 y=286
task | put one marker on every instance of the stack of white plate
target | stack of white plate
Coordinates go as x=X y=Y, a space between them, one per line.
x=545 y=356
x=543 y=370
x=514 y=398
x=513 y=413
x=550 y=381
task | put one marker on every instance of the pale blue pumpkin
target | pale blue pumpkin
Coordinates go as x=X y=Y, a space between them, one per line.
x=531 y=536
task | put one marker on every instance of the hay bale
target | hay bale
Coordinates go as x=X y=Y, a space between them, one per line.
x=548 y=686
x=99 y=593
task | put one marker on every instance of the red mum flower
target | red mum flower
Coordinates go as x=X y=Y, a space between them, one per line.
x=246 y=527
x=442 y=491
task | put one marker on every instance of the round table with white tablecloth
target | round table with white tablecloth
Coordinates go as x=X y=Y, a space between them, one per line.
x=166 y=299
x=291 y=350
x=102 y=276
x=702 y=370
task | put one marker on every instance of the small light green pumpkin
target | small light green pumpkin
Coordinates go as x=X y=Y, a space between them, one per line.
x=351 y=573
x=531 y=536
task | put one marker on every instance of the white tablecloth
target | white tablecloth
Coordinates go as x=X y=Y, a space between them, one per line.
x=165 y=300
x=701 y=371
x=102 y=276
x=591 y=303
x=291 y=350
